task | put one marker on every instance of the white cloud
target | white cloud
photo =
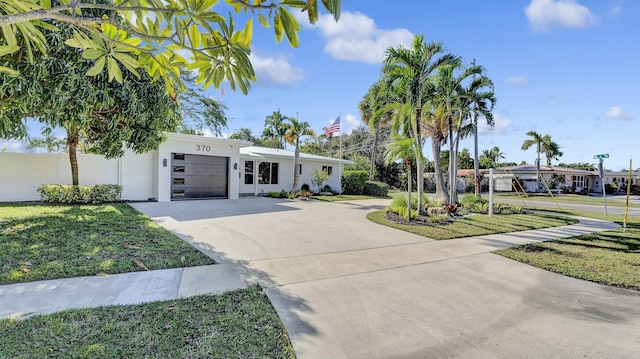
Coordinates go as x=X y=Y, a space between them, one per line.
x=356 y=37
x=501 y=126
x=275 y=71
x=352 y=121
x=616 y=113
x=516 y=80
x=13 y=146
x=616 y=10
x=545 y=15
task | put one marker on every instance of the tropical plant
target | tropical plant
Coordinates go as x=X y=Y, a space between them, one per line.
x=243 y=134
x=550 y=149
x=200 y=113
x=275 y=128
x=153 y=35
x=537 y=140
x=49 y=142
x=403 y=148
x=490 y=158
x=318 y=178
x=375 y=113
x=295 y=131
x=409 y=73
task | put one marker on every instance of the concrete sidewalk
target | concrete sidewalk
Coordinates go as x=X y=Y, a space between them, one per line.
x=24 y=299
x=130 y=288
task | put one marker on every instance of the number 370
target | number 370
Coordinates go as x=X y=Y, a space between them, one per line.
x=203 y=148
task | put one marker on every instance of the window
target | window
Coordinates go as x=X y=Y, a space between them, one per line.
x=328 y=170
x=178 y=156
x=248 y=172
x=578 y=181
x=300 y=169
x=268 y=173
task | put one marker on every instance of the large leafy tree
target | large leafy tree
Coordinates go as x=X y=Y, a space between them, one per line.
x=104 y=115
x=154 y=35
x=296 y=130
x=243 y=134
x=535 y=140
x=490 y=158
x=200 y=113
x=410 y=74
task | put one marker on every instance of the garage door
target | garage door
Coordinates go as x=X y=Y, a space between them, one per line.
x=194 y=176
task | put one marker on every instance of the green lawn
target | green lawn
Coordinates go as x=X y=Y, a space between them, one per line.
x=610 y=257
x=40 y=242
x=476 y=225
x=565 y=198
x=239 y=324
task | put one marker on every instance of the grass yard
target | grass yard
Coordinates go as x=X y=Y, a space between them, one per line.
x=611 y=257
x=239 y=324
x=40 y=242
x=565 y=198
x=477 y=225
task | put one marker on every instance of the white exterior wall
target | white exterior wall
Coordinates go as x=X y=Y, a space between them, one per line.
x=196 y=145
x=138 y=176
x=285 y=175
x=22 y=173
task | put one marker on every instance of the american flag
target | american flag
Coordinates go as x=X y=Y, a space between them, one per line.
x=334 y=127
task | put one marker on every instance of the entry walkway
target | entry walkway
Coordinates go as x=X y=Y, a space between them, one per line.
x=49 y=296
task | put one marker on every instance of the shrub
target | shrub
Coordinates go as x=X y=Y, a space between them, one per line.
x=59 y=193
x=378 y=189
x=480 y=207
x=353 y=182
x=517 y=208
x=305 y=187
x=469 y=200
x=610 y=188
x=327 y=188
x=318 y=178
x=402 y=211
x=281 y=194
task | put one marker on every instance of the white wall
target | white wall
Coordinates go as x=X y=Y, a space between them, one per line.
x=22 y=173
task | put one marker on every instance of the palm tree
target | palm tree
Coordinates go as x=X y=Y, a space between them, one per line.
x=537 y=140
x=375 y=114
x=402 y=148
x=275 y=127
x=462 y=91
x=50 y=142
x=551 y=149
x=409 y=73
x=296 y=130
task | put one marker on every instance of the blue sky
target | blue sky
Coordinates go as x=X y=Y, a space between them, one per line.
x=567 y=68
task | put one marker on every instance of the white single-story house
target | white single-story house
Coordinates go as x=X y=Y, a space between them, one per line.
x=183 y=167
x=560 y=178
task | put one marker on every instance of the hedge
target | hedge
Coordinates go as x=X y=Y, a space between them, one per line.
x=353 y=182
x=60 y=193
x=374 y=188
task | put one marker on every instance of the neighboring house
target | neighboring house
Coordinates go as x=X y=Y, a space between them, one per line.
x=183 y=167
x=556 y=178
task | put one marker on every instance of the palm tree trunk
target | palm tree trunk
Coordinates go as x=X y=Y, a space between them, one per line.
x=410 y=179
x=455 y=178
x=296 y=174
x=419 y=167
x=476 y=164
x=373 y=153
x=538 y=170
x=452 y=169
x=441 y=193
x=73 y=137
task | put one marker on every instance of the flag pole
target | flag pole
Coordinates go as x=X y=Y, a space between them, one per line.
x=341 y=154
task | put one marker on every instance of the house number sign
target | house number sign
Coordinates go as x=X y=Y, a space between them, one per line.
x=203 y=148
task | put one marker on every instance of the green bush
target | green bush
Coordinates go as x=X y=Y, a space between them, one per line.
x=469 y=200
x=353 y=182
x=60 y=193
x=281 y=194
x=402 y=211
x=378 y=189
x=480 y=207
x=305 y=187
x=610 y=188
x=327 y=188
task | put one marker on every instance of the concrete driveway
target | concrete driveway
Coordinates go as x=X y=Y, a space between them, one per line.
x=347 y=288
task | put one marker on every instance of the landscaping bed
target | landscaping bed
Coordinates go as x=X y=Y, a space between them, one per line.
x=39 y=242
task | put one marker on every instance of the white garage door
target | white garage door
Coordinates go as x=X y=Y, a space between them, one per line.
x=195 y=176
